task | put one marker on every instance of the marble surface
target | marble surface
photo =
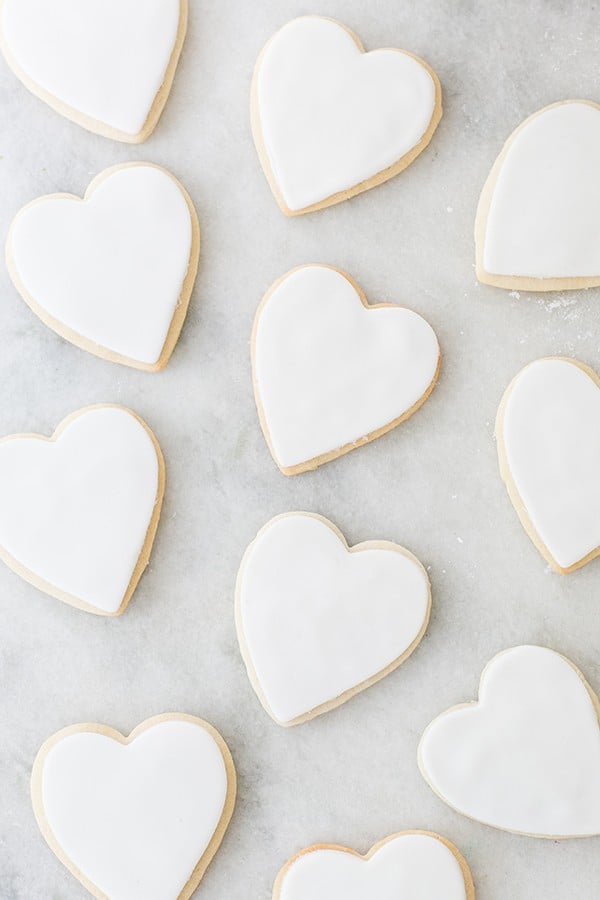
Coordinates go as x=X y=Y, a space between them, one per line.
x=432 y=484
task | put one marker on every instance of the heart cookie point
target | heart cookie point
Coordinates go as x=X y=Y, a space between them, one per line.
x=332 y=373
x=80 y=510
x=404 y=866
x=537 y=219
x=136 y=818
x=548 y=438
x=109 y=67
x=318 y=621
x=525 y=758
x=331 y=121
x=112 y=273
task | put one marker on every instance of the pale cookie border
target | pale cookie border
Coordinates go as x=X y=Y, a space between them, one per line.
x=88 y=122
x=464 y=867
x=509 y=482
x=367 y=184
x=78 y=340
x=146 y=550
x=472 y=703
x=48 y=834
x=519 y=282
x=361 y=686
x=316 y=461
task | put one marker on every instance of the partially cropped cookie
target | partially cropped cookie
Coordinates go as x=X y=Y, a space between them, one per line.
x=331 y=372
x=112 y=273
x=411 y=865
x=80 y=510
x=538 y=220
x=526 y=756
x=330 y=120
x=137 y=817
x=106 y=64
x=319 y=621
x=548 y=434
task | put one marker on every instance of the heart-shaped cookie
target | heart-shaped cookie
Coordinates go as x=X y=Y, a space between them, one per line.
x=411 y=865
x=113 y=273
x=330 y=121
x=331 y=372
x=136 y=818
x=548 y=435
x=106 y=64
x=79 y=510
x=525 y=757
x=318 y=621
x=538 y=218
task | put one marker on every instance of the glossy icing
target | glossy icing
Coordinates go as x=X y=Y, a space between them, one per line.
x=110 y=269
x=329 y=371
x=76 y=510
x=316 y=620
x=331 y=116
x=526 y=756
x=105 y=61
x=134 y=819
x=549 y=436
x=406 y=867
x=543 y=217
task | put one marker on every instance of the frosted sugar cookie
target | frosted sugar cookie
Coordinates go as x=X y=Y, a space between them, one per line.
x=138 y=817
x=80 y=510
x=106 y=64
x=538 y=218
x=526 y=756
x=411 y=865
x=330 y=121
x=332 y=372
x=548 y=435
x=113 y=273
x=318 y=621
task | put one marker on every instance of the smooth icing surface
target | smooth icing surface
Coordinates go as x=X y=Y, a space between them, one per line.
x=317 y=620
x=332 y=116
x=551 y=437
x=107 y=59
x=329 y=371
x=110 y=268
x=409 y=867
x=544 y=217
x=526 y=757
x=75 y=511
x=135 y=819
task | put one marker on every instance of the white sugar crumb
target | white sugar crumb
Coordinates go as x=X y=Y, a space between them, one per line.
x=449 y=209
x=515 y=295
x=459 y=539
x=558 y=303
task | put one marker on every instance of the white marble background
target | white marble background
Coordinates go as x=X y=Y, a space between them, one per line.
x=432 y=484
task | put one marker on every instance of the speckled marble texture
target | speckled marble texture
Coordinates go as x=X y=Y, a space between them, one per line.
x=431 y=485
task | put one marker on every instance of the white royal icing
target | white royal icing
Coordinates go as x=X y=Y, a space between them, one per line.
x=331 y=116
x=550 y=431
x=329 y=371
x=135 y=819
x=105 y=59
x=544 y=216
x=408 y=867
x=75 y=511
x=526 y=757
x=110 y=268
x=316 y=620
